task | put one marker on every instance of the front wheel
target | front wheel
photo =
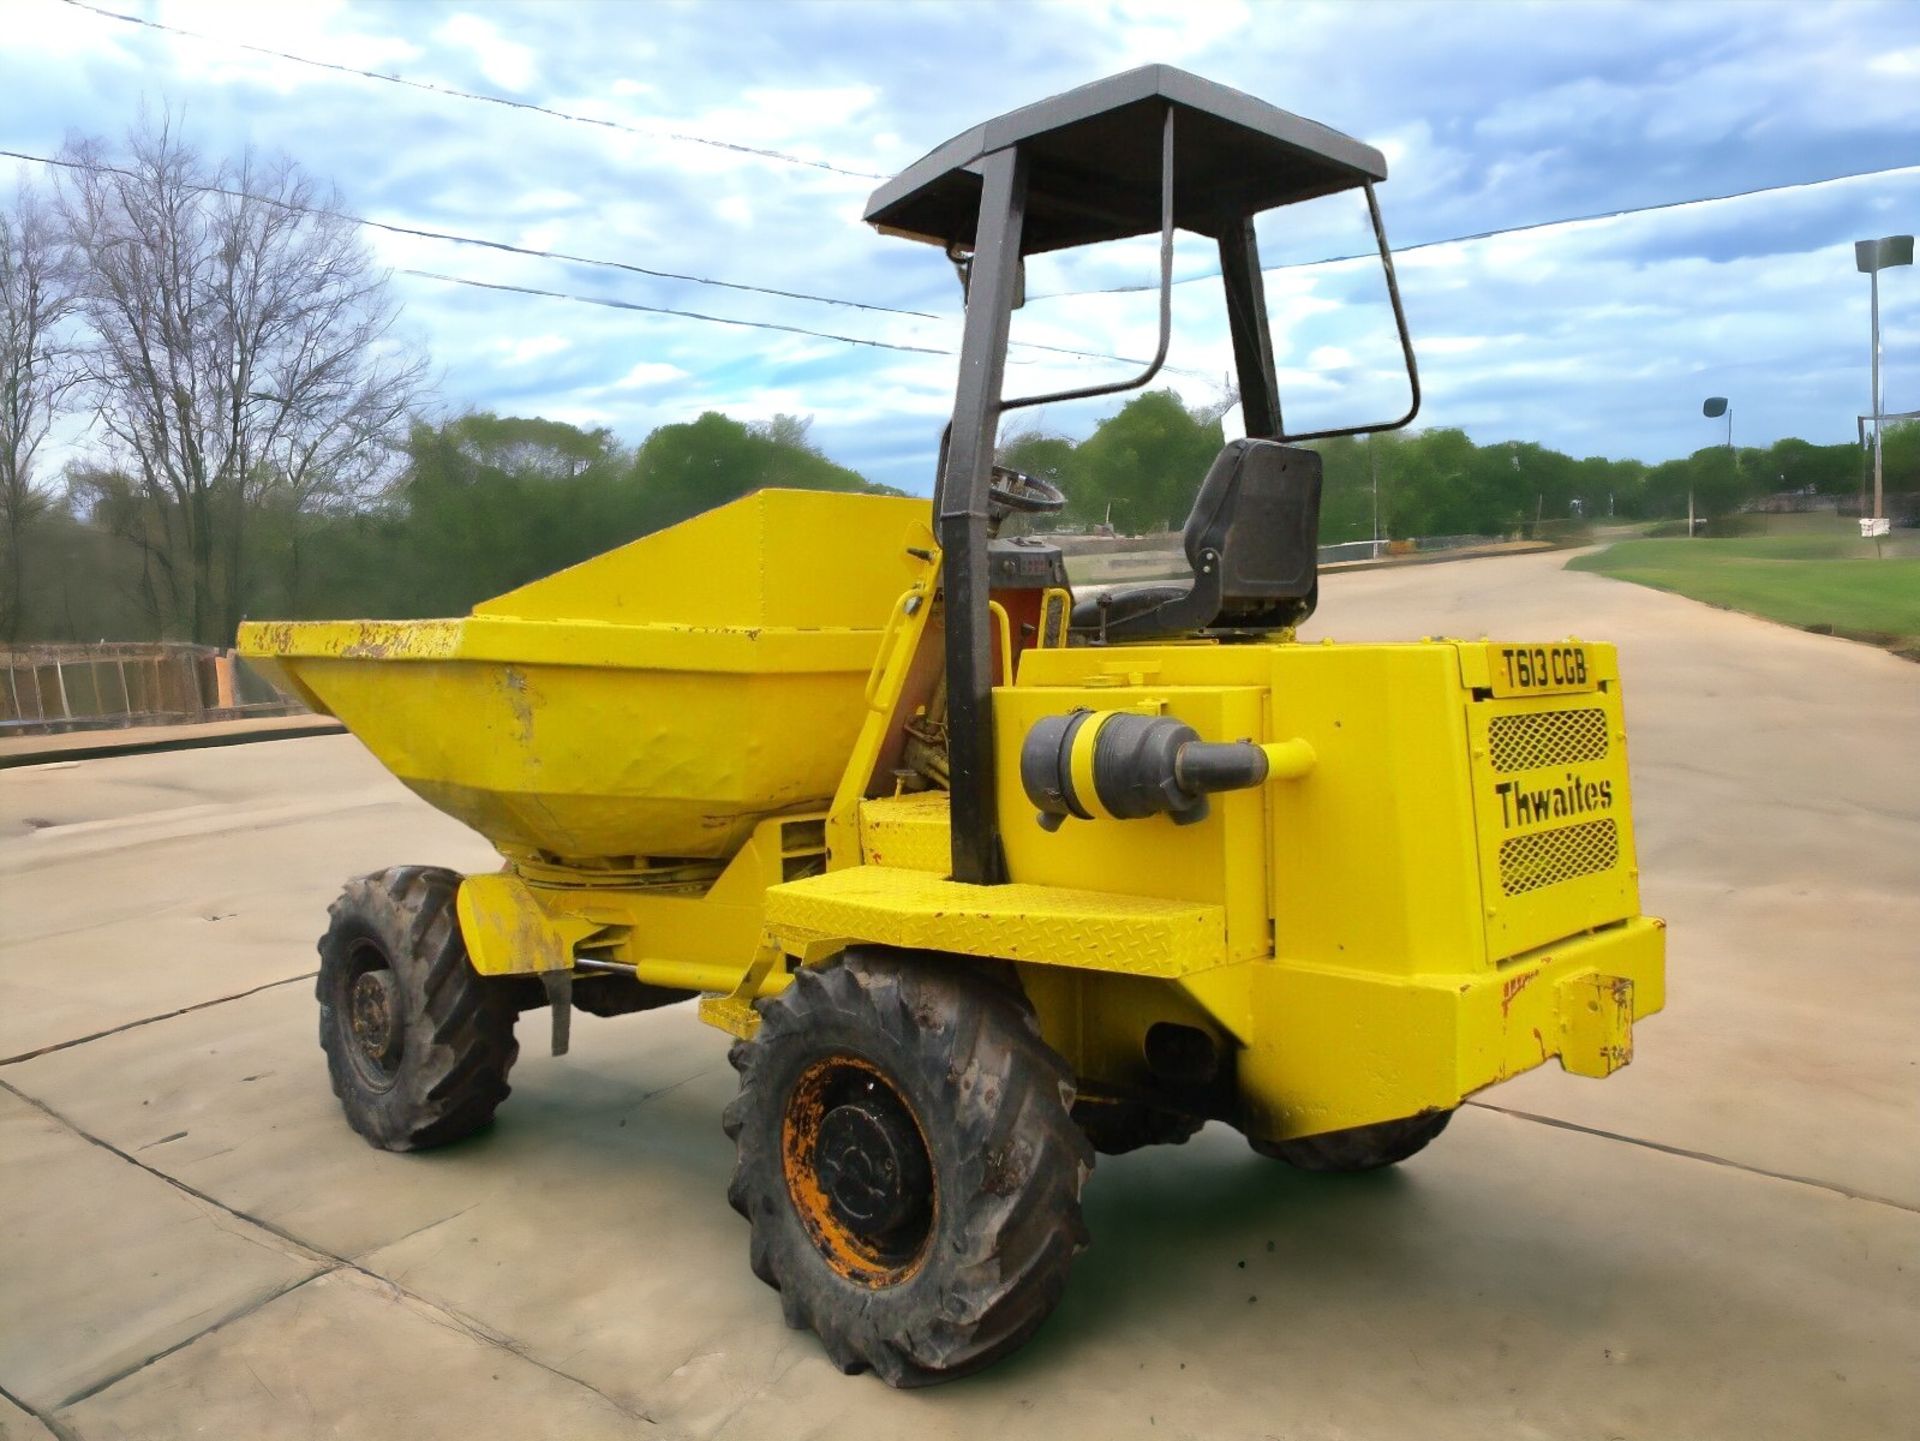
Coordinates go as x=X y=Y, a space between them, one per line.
x=1361 y=1148
x=418 y=1043
x=909 y=1164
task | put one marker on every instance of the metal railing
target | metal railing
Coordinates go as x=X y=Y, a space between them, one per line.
x=81 y=687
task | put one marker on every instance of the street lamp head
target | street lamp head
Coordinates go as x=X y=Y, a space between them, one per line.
x=1714 y=407
x=1882 y=254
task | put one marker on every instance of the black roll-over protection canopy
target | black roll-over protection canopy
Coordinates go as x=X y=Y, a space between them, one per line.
x=1093 y=158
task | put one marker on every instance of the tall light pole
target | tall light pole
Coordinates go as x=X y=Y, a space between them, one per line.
x=1871 y=257
x=1716 y=406
x=1373 y=464
x=1713 y=407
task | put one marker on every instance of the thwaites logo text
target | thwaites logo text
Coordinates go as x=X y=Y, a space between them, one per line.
x=1526 y=803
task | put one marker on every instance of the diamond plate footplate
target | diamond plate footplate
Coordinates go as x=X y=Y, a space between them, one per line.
x=1088 y=930
x=908 y=832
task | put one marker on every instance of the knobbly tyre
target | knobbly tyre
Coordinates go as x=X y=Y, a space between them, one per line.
x=984 y=877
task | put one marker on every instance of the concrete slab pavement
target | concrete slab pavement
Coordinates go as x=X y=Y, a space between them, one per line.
x=19 y=1425
x=388 y=1365
x=104 y=1265
x=171 y=881
x=1518 y=1280
x=1222 y=1299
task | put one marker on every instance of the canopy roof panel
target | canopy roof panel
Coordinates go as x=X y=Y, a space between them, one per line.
x=1094 y=164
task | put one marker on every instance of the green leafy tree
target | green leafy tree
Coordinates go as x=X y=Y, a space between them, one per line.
x=1900 y=457
x=1146 y=462
x=1610 y=488
x=682 y=470
x=1795 y=464
x=1720 y=482
x=1346 y=490
x=1431 y=479
x=484 y=503
x=1034 y=452
x=488 y=502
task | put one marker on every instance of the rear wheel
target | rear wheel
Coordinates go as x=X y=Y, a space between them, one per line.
x=418 y=1044
x=1361 y=1148
x=908 y=1164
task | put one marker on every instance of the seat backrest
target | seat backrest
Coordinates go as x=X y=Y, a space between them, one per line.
x=1258 y=512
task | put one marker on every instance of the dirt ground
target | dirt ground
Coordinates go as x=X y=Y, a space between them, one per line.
x=1721 y=1241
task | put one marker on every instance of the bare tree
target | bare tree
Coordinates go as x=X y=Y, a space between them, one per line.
x=242 y=353
x=36 y=373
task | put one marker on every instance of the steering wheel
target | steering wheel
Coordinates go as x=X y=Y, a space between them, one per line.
x=1010 y=490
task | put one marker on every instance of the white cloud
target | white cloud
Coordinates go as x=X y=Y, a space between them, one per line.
x=546 y=197
x=506 y=63
x=1490 y=117
x=587 y=417
x=315 y=32
x=1145 y=32
x=538 y=347
x=647 y=375
x=51 y=30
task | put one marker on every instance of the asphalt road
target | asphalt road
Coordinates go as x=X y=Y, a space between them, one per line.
x=1721 y=1241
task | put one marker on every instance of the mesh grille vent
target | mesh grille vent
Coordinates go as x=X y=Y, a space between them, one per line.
x=1547 y=738
x=1545 y=858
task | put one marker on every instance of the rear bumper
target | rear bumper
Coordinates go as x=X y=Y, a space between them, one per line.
x=1577 y=999
x=1332 y=1049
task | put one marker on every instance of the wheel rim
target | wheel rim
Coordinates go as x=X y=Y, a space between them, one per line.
x=858 y=1171
x=374 y=1016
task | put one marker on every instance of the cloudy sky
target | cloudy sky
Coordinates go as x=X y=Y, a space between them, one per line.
x=1598 y=337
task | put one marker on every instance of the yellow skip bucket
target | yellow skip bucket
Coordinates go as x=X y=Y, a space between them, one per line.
x=656 y=701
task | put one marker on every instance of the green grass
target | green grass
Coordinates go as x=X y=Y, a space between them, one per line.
x=1802 y=579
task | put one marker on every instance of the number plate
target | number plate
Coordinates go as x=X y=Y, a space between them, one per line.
x=1542 y=670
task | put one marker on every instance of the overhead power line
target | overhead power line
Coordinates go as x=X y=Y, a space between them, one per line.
x=637 y=306
x=613 y=303
x=650 y=132
x=1134 y=288
x=1400 y=250
x=500 y=245
x=102 y=168
x=617 y=304
x=769 y=154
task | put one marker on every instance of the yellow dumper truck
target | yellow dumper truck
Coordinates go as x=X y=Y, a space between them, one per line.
x=985 y=877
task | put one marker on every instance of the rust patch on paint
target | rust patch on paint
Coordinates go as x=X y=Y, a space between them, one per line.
x=514 y=684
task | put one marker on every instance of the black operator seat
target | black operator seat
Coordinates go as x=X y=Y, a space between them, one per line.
x=1252 y=540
